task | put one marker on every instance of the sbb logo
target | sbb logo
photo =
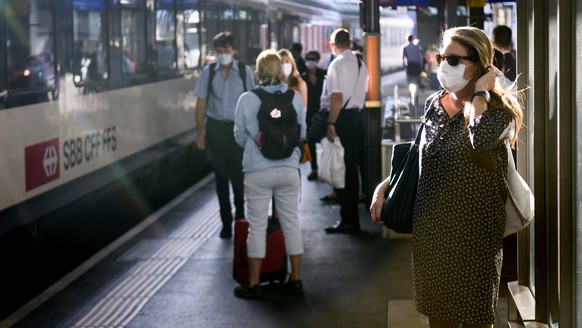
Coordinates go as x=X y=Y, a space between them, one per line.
x=42 y=163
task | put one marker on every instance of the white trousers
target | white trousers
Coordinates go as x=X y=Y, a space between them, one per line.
x=283 y=183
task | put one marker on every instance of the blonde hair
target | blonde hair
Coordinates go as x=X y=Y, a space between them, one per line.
x=268 y=67
x=479 y=46
x=294 y=77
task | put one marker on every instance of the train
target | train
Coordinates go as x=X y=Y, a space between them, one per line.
x=97 y=113
x=94 y=90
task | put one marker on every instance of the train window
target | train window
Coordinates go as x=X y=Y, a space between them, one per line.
x=166 y=35
x=3 y=91
x=211 y=19
x=89 y=63
x=133 y=46
x=29 y=52
x=188 y=34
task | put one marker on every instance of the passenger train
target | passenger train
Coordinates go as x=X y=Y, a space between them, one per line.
x=97 y=115
x=95 y=91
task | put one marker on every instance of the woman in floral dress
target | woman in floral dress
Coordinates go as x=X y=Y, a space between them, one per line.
x=459 y=213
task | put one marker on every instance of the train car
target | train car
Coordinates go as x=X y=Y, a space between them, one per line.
x=97 y=115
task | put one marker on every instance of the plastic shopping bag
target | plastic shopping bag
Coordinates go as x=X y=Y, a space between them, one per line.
x=332 y=168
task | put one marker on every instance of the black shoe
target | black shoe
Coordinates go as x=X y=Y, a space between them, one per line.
x=226 y=232
x=312 y=176
x=341 y=227
x=328 y=198
x=362 y=197
x=249 y=292
x=294 y=287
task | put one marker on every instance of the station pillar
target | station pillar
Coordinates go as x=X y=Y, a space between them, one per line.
x=370 y=21
x=476 y=13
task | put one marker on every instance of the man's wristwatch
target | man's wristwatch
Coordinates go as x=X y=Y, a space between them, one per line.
x=484 y=94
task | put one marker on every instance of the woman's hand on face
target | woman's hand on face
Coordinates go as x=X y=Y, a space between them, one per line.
x=378 y=201
x=487 y=81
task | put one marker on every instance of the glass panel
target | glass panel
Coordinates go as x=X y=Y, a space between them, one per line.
x=133 y=3
x=133 y=42
x=3 y=91
x=29 y=52
x=189 y=36
x=212 y=28
x=89 y=64
x=166 y=35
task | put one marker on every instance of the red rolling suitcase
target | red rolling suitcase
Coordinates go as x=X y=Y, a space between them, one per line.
x=274 y=266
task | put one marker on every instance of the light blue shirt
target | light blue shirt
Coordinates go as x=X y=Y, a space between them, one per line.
x=246 y=130
x=225 y=91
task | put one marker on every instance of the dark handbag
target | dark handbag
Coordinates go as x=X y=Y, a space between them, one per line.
x=318 y=126
x=399 y=205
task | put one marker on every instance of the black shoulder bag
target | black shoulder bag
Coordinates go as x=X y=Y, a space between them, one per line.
x=399 y=205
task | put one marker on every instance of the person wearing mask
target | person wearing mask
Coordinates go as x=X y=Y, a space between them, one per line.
x=344 y=93
x=502 y=41
x=296 y=50
x=291 y=75
x=266 y=178
x=313 y=77
x=217 y=97
x=459 y=212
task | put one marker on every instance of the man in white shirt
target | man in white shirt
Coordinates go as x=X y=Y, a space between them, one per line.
x=344 y=94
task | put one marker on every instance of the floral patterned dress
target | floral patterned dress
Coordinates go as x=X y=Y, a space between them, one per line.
x=459 y=215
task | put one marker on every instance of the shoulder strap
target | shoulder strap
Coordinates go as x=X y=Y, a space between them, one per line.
x=428 y=110
x=242 y=71
x=211 y=73
x=355 y=85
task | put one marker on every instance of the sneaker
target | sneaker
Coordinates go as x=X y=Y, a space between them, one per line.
x=294 y=287
x=249 y=292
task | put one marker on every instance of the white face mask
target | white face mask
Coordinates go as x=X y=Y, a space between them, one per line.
x=310 y=64
x=451 y=77
x=286 y=68
x=224 y=59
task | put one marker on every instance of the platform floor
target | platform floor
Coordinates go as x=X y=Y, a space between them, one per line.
x=174 y=271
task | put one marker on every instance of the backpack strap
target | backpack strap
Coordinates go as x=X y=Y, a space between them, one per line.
x=242 y=71
x=211 y=73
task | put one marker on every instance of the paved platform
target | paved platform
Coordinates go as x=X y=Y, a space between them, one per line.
x=177 y=272
x=174 y=271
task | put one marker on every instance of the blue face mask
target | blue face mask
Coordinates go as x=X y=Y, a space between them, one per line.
x=224 y=59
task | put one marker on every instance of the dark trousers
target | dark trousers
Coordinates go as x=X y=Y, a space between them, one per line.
x=311 y=143
x=226 y=157
x=349 y=128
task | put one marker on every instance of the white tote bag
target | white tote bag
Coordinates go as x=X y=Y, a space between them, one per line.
x=519 y=206
x=332 y=168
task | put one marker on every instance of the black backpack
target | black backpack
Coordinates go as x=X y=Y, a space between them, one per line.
x=278 y=128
